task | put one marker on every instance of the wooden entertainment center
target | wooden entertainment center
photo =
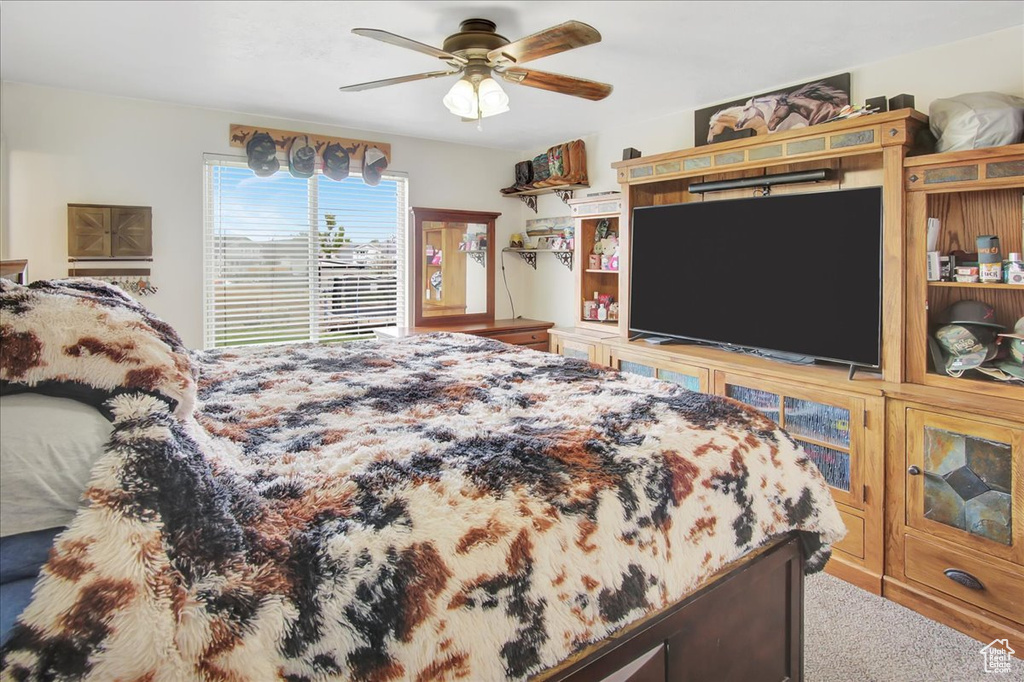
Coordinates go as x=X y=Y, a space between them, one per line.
x=926 y=469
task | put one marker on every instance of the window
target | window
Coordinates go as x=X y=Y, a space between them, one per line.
x=293 y=259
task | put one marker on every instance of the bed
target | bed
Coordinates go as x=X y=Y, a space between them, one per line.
x=437 y=507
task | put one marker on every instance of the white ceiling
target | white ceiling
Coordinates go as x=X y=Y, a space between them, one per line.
x=287 y=59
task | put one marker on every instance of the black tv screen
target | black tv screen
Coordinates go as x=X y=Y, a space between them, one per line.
x=792 y=273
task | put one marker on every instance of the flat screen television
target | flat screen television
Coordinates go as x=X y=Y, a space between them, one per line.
x=797 y=274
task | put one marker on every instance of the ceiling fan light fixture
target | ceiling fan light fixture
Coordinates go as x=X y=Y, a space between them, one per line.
x=461 y=100
x=492 y=99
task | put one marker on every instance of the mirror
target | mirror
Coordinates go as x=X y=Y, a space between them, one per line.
x=454 y=266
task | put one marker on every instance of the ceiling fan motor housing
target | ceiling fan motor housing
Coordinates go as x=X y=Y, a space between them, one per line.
x=476 y=38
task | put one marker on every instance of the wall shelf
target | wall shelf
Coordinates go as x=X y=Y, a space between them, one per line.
x=977 y=285
x=564 y=256
x=529 y=196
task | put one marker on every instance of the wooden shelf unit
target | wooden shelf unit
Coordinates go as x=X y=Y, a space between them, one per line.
x=892 y=547
x=588 y=212
x=936 y=188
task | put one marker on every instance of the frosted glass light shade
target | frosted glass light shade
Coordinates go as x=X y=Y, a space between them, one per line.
x=461 y=99
x=492 y=98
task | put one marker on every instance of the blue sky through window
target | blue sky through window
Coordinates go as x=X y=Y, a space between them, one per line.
x=366 y=212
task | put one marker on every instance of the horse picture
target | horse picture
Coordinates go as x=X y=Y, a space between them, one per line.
x=797 y=106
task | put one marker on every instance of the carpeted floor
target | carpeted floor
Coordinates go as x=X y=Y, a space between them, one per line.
x=853 y=636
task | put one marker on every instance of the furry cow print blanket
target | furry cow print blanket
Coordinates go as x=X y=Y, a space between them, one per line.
x=441 y=507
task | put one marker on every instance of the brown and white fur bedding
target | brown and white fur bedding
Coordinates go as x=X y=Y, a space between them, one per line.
x=436 y=508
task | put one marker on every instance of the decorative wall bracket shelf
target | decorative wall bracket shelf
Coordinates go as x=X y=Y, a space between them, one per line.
x=480 y=256
x=530 y=256
x=563 y=192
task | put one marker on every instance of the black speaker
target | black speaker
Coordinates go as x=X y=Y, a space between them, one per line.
x=901 y=102
x=630 y=153
x=877 y=103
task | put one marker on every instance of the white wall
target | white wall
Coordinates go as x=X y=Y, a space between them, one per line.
x=64 y=147
x=993 y=62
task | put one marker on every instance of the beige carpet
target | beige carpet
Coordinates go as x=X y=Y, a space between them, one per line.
x=853 y=636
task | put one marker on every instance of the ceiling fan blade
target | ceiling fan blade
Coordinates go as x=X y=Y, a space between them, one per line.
x=409 y=43
x=567 y=36
x=395 y=81
x=555 y=82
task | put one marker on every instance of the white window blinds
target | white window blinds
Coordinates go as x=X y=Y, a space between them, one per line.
x=291 y=259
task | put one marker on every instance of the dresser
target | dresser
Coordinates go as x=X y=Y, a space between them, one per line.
x=518 y=332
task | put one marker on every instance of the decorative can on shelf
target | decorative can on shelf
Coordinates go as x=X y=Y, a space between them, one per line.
x=1014 y=270
x=990 y=259
x=590 y=310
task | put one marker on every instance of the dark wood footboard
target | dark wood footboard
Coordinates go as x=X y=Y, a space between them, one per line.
x=745 y=624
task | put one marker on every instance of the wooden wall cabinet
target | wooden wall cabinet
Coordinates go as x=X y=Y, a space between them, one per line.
x=972 y=193
x=957 y=533
x=925 y=468
x=110 y=232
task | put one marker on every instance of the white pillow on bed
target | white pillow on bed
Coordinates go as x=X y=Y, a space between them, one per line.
x=47 y=449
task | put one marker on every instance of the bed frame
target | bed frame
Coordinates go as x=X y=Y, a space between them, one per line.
x=743 y=624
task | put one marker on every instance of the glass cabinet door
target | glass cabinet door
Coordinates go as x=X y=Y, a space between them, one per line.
x=579 y=350
x=689 y=377
x=961 y=475
x=828 y=428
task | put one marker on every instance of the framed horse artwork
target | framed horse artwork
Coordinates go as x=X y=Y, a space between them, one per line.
x=796 y=106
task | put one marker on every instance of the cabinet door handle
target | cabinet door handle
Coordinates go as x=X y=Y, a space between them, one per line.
x=914 y=470
x=964 y=578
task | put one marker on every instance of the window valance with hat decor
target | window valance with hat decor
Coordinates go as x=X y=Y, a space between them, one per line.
x=267 y=148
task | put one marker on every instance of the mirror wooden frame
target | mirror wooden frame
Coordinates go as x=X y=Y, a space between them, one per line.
x=421 y=215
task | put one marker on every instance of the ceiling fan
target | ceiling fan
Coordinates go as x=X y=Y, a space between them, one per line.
x=477 y=51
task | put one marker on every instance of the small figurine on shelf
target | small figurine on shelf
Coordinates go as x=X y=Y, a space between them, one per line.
x=568 y=234
x=613 y=312
x=516 y=241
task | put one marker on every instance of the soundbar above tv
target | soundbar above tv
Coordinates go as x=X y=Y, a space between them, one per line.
x=795 y=273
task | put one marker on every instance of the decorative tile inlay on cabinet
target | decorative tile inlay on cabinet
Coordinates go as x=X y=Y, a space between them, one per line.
x=967 y=484
x=851 y=139
x=668 y=167
x=770 y=151
x=697 y=163
x=1004 y=169
x=955 y=174
x=728 y=158
x=641 y=172
x=816 y=144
